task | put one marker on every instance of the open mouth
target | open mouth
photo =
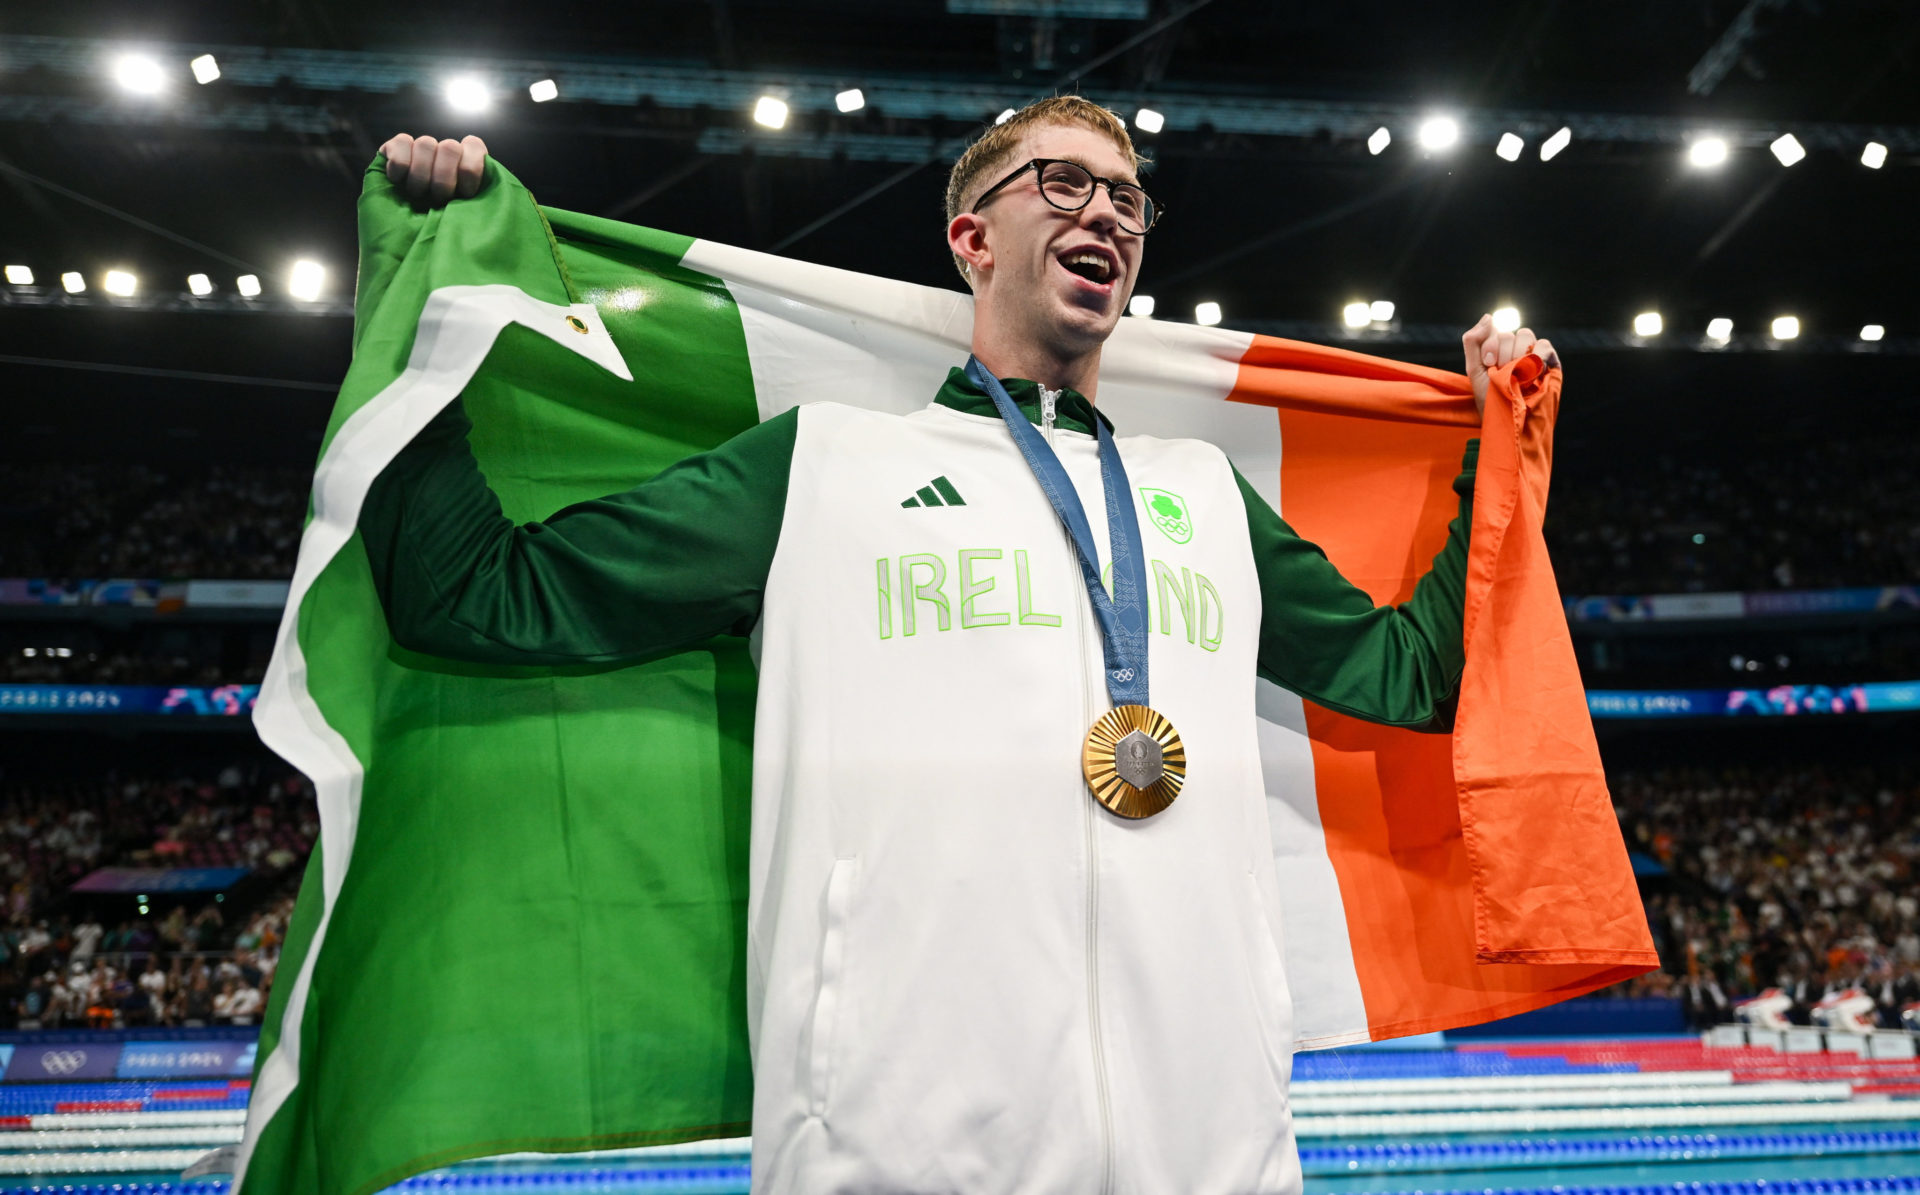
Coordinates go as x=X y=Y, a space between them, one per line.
x=1089 y=264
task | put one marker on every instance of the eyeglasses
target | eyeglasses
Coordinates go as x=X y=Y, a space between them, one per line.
x=1069 y=187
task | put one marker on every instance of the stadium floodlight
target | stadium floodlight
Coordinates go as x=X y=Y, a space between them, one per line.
x=1720 y=329
x=1648 y=323
x=1551 y=147
x=306 y=280
x=1506 y=319
x=1707 y=152
x=248 y=285
x=1141 y=305
x=850 y=100
x=1873 y=332
x=205 y=69
x=1356 y=314
x=1874 y=156
x=120 y=282
x=1380 y=139
x=1207 y=314
x=467 y=93
x=1510 y=146
x=20 y=275
x=139 y=74
x=770 y=112
x=1439 y=133
x=543 y=90
x=72 y=282
x=1381 y=311
x=200 y=284
x=1006 y=114
x=1788 y=149
x=1786 y=327
x=1149 y=120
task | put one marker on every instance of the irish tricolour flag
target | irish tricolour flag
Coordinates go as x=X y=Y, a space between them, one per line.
x=524 y=926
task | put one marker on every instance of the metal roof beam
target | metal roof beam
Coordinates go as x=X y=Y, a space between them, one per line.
x=967 y=101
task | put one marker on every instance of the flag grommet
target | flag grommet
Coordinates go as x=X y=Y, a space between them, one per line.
x=577 y=324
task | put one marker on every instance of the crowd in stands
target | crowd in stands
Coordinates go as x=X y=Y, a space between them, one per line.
x=1847 y=512
x=1805 y=879
x=78 y=521
x=62 y=962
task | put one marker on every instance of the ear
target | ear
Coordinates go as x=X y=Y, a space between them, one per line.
x=967 y=238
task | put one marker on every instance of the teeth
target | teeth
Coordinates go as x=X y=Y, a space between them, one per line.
x=1093 y=259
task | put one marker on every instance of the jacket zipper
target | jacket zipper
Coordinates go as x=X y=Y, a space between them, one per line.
x=1049 y=400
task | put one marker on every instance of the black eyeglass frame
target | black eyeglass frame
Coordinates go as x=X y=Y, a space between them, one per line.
x=1039 y=166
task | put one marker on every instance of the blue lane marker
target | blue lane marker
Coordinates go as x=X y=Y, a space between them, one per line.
x=1598 y=1151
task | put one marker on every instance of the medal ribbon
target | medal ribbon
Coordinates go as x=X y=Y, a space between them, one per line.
x=1122 y=616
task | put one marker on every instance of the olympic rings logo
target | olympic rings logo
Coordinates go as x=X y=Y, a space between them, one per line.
x=63 y=1062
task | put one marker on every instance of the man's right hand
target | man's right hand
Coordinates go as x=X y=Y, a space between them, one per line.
x=432 y=172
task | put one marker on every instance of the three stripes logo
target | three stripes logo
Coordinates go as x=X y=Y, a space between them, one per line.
x=938 y=492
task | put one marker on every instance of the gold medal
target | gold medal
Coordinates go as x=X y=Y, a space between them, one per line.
x=1134 y=761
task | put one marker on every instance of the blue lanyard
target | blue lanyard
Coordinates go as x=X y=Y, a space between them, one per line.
x=1123 y=615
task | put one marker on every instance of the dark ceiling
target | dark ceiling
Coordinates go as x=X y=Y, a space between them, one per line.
x=1274 y=227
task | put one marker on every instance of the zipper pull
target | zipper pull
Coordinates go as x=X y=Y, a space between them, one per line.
x=1047 y=400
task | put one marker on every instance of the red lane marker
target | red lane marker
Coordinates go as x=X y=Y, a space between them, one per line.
x=190 y=1093
x=98 y=1106
x=15 y=1122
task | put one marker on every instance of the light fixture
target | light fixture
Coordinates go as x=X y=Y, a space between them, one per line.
x=1506 y=319
x=1707 y=152
x=1439 y=132
x=72 y=282
x=1148 y=120
x=465 y=93
x=1380 y=139
x=306 y=280
x=1141 y=305
x=1786 y=327
x=1381 y=311
x=120 y=282
x=1510 y=147
x=1006 y=114
x=200 y=284
x=139 y=74
x=1874 y=156
x=1720 y=329
x=20 y=275
x=1552 y=146
x=1648 y=323
x=1206 y=314
x=1356 y=315
x=1873 y=332
x=544 y=90
x=1788 y=149
x=204 y=68
x=850 y=100
x=247 y=284
x=770 y=112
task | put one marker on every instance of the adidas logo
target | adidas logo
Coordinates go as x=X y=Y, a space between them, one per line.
x=938 y=492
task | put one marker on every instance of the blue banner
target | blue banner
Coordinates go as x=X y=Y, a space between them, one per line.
x=225 y=701
x=1698 y=607
x=1774 y=701
x=161 y=879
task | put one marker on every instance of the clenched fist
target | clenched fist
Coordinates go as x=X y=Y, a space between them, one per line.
x=432 y=172
x=1487 y=349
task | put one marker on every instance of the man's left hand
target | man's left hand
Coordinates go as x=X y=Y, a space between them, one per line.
x=1487 y=349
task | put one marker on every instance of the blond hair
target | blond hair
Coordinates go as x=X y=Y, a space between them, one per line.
x=993 y=150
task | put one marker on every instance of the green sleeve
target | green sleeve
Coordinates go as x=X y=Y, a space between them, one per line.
x=1322 y=637
x=667 y=564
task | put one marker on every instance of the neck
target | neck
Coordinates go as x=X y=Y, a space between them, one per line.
x=1079 y=372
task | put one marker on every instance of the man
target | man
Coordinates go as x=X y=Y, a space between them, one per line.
x=964 y=972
